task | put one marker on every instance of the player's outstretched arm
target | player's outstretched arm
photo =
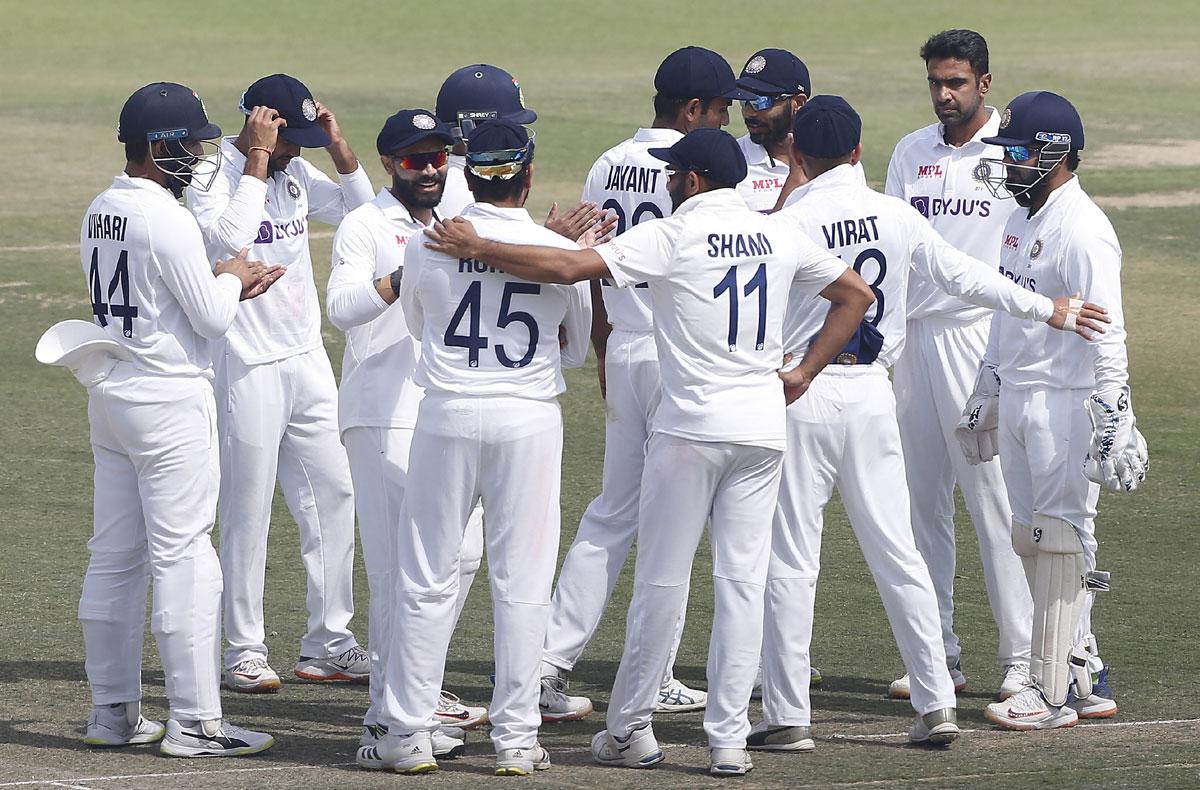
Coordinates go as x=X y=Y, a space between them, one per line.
x=850 y=298
x=584 y=222
x=457 y=238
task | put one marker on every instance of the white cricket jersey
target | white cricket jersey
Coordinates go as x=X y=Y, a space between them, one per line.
x=719 y=278
x=1067 y=247
x=149 y=281
x=271 y=221
x=764 y=176
x=889 y=245
x=377 y=388
x=629 y=181
x=484 y=332
x=456 y=195
x=938 y=180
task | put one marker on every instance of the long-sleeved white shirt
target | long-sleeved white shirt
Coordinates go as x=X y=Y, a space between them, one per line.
x=940 y=181
x=377 y=388
x=487 y=333
x=456 y=196
x=271 y=220
x=149 y=281
x=890 y=246
x=1067 y=247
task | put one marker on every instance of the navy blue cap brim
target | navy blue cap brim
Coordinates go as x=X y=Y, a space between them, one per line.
x=1002 y=141
x=209 y=132
x=760 y=88
x=306 y=137
x=417 y=137
x=739 y=94
x=664 y=154
x=525 y=116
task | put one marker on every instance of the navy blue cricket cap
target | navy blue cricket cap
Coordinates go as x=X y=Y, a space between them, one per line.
x=294 y=102
x=769 y=72
x=498 y=148
x=826 y=127
x=165 y=111
x=409 y=127
x=478 y=92
x=713 y=153
x=1039 y=117
x=697 y=73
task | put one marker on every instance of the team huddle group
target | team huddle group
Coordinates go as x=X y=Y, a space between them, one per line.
x=746 y=299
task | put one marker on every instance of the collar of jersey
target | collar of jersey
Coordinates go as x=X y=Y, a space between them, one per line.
x=395 y=210
x=489 y=211
x=717 y=198
x=989 y=129
x=126 y=181
x=749 y=148
x=1060 y=196
x=840 y=176
x=646 y=135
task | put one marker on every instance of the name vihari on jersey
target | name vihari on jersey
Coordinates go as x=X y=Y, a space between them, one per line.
x=107 y=226
x=631 y=178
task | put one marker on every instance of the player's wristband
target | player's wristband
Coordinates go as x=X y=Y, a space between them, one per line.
x=267 y=151
x=394 y=278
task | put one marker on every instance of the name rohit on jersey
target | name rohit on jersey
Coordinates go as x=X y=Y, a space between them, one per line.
x=845 y=232
x=936 y=207
x=474 y=266
x=631 y=178
x=738 y=245
x=107 y=226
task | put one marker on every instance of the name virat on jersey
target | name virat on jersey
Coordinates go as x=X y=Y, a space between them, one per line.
x=845 y=232
x=107 y=226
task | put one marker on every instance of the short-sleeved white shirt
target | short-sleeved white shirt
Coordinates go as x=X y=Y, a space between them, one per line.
x=719 y=276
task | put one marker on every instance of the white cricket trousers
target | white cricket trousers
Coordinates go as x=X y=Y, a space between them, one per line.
x=379 y=467
x=154 y=439
x=610 y=523
x=933 y=379
x=279 y=420
x=686 y=483
x=843 y=433
x=505 y=452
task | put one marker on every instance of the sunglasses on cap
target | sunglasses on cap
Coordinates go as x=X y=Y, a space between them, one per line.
x=437 y=159
x=765 y=102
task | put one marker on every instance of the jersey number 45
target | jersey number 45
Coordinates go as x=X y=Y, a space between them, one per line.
x=470 y=308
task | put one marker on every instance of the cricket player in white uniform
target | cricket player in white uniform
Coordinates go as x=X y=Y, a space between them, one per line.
x=378 y=399
x=843 y=432
x=1065 y=424
x=694 y=87
x=934 y=170
x=275 y=388
x=489 y=429
x=780 y=83
x=719 y=277
x=147 y=365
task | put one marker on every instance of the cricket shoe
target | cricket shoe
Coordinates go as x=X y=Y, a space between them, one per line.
x=1016 y=677
x=352 y=665
x=765 y=738
x=814 y=676
x=522 y=762
x=448 y=743
x=452 y=713
x=251 y=676
x=675 y=697
x=121 y=724
x=1028 y=710
x=404 y=754
x=213 y=738
x=938 y=728
x=899 y=689
x=556 y=705
x=1097 y=705
x=729 y=762
x=638 y=749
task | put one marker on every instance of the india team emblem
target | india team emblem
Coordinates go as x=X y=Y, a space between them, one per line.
x=981 y=171
x=1036 y=250
x=1006 y=119
x=423 y=121
x=293 y=189
x=309 y=109
x=756 y=64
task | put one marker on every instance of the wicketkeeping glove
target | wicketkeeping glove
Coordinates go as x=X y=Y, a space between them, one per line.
x=1117 y=459
x=977 y=431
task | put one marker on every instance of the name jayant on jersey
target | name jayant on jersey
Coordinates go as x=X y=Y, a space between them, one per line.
x=631 y=178
x=474 y=266
x=107 y=226
x=845 y=232
x=738 y=245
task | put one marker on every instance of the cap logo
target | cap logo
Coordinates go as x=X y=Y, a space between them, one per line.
x=1053 y=137
x=1007 y=119
x=308 y=108
x=203 y=109
x=520 y=93
x=756 y=64
x=423 y=121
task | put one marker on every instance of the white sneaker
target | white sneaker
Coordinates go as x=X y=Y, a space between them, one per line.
x=638 y=749
x=765 y=738
x=353 y=665
x=729 y=762
x=451 y=712
x=251 y=676
x=1097 y=705
x=407 y=754
x=1028 y=710
x=448 y=743
x=899 y=689
x=121 y=724
x=939 y=728
x=522 y=762
x=556 y=705
x=675 y=697
x=214 y=738
x=1016 y=677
